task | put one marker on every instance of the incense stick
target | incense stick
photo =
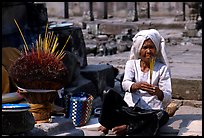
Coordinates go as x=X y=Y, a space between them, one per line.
x=152 y=61
x=25 y=46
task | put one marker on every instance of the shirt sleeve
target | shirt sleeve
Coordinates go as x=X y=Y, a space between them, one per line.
x=129 y=75
x=165 y=85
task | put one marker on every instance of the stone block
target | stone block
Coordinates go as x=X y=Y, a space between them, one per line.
x=116 y=28
x=73 y=66
x=178 y=17
x=102 y=38
x=190 y=25
x=91 y=48
x=82 y=84
x=102 y=75
x=192 y=33
x=187 y=89
x=76 y=43
x=92 y=28
x=112 y=49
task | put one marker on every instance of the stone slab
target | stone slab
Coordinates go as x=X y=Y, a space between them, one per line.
x=59 y=126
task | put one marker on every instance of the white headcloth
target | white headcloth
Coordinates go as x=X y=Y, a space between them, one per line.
x=158 y=41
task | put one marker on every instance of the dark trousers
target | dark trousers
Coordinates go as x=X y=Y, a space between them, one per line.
x=110 y=114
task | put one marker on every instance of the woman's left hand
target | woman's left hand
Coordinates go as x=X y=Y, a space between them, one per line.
x=153 y=90
x=120 y=130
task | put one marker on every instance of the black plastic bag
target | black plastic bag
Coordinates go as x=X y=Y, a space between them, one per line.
x=141 y=122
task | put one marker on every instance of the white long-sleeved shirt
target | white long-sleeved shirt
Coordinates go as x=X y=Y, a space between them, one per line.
x=160 y=77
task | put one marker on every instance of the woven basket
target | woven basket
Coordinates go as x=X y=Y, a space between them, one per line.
x=40 y=103
x=80 y=108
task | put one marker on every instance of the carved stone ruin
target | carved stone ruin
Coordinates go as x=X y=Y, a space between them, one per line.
x=191 y=25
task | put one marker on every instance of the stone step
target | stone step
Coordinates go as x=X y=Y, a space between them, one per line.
x=187 y=89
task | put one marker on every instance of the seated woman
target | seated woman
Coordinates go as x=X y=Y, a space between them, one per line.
x=141 y=88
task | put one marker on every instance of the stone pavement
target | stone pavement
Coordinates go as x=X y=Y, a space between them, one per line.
x=187 y=121
x=182 y=120
x=194 y=128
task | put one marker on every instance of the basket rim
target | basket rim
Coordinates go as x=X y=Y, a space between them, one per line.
x=22 y=90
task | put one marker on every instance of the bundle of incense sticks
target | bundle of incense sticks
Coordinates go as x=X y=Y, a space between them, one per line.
x=152 y=61
x=48 y=45
x=40 y=66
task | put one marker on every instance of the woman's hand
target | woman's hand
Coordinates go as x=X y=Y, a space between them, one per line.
x=151 y=89
x=120 y=130
x=136 y=86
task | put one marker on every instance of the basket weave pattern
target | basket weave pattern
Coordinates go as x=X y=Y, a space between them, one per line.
x=80 y=110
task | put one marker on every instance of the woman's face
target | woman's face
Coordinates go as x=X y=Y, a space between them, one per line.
x=148 y=50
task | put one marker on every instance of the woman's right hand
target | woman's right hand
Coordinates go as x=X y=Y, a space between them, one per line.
x=142 y=85
x=135 y=86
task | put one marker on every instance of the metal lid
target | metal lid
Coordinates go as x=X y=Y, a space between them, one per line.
x=67 y=24
x=15 y=107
